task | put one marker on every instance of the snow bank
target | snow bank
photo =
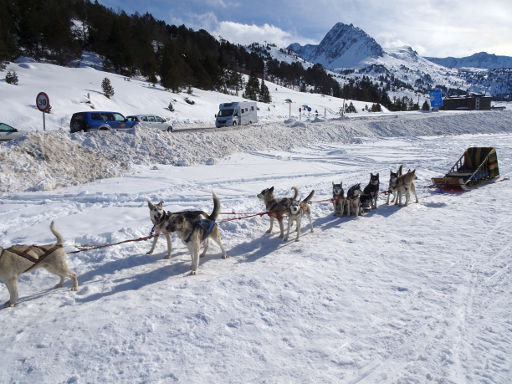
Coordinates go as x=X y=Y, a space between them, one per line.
x=48 y=160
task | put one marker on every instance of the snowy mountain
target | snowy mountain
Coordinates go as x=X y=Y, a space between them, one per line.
x=481 y=60
x=352 y=53
x=344 y=46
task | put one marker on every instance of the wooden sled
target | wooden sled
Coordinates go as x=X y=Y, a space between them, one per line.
x=478 y=165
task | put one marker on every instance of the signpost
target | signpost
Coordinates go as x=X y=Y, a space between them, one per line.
x=43 y=104
x=436 y=98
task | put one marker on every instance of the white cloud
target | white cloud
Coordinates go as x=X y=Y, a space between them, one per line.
x=246 y=34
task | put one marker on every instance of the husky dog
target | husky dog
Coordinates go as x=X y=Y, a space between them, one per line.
x=193 y=231
x=19 y=259
x=354 y=200
x=160 y=220
x=371 y=192
x=393 y=177
x=338 y=198
x=405 y=184
x=296 y=212
x=277 y=208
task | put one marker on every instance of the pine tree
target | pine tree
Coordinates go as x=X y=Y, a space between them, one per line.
x=264 y=93
x=376 y=107
x=11 y=78
x=108 y=90
x=425 y=106
x=351 y=108
x=252 y=88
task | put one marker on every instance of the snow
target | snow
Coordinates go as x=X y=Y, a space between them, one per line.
x=79 y=89
x=412 y=294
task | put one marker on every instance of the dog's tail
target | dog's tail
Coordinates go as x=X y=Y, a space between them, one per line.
x=296 y=193
x=399 y=172
x=60 y=239
x=216 y=207
x=310 y=196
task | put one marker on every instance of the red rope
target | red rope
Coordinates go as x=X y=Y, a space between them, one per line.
x=111 y=244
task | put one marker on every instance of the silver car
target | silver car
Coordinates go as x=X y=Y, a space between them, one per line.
x=151 y=121
x=8 y=133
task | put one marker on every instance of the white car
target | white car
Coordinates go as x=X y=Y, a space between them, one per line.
x=8 y=133
x=151 y=121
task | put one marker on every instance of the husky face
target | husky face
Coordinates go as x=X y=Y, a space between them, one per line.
x=295 y=207
x=267 y=193
x=337 y=190
x=156 y=211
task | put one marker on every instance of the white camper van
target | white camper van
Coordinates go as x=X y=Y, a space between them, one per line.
x=236 y=113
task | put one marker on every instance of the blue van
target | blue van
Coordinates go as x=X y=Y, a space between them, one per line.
x=99 y=120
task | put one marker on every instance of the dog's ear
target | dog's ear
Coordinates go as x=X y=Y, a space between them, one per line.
x=377 y=174
x=150 y=205
x=160 y=204
x=271 y=189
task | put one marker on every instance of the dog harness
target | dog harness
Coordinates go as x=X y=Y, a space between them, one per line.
x=205 y=225
x=25 y=255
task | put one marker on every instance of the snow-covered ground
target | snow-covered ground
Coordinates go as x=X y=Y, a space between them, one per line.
x=414 y=294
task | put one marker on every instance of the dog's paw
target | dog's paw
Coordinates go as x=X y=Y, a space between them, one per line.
x=268 y=231
x=74 y=289
x=224 y=256
x=8 y=304
x=167 y=257
x=149 y=252
x=193 y=273
x=297 y=239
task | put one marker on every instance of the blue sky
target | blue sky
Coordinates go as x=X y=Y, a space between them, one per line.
x=433 y=28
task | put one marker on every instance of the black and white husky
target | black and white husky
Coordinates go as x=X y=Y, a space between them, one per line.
x=161 y=219
x=296 y=212
x=338 y=199
x=371 y=193
x=354 y=200
x=392 y=189
x=196 y=231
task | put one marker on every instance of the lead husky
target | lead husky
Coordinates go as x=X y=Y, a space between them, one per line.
x=194 y=231
x=160 y=219
x=19 y=259
x=297 y=211
x=393 y=177
x=277 y=209
x=405 y=184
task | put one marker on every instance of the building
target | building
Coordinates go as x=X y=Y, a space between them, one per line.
x=472 y=101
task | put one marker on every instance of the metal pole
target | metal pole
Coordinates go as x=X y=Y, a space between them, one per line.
x=44 y=122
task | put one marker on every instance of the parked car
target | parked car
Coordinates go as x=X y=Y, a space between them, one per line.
x=151 y=121
x=99 y=120
x=8 y=133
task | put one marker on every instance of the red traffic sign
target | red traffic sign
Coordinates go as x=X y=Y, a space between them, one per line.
x=42 y=101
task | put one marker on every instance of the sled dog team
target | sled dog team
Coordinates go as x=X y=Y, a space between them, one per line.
x=196 y=228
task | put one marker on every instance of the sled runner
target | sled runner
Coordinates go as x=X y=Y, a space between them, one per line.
x=476 y=166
